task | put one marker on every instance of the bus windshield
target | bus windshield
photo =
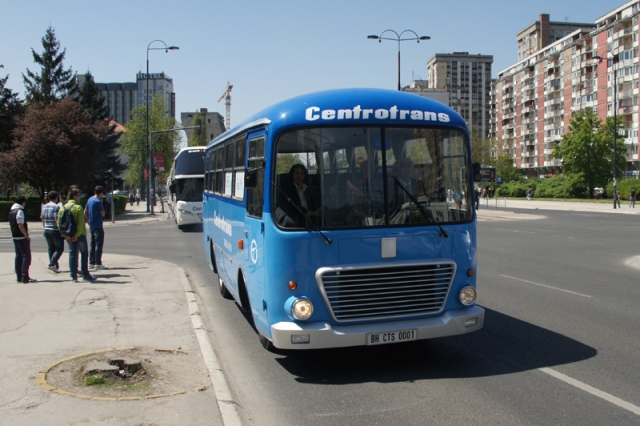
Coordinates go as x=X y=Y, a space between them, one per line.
x=189 y=189
x=336 y=177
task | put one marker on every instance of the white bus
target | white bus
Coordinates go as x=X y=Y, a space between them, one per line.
x=186 y=183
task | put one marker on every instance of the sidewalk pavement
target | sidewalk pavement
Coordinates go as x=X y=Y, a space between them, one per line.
x=502 y=209
x=132 y=215
x=139 y=303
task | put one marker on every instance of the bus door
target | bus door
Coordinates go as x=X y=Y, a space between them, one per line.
x=254 y=229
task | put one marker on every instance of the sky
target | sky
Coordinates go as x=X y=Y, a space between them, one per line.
x=269 y=50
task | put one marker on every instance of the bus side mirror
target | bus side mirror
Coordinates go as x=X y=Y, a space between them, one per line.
x=477 y=174
x=172 y=187
x=251 y=178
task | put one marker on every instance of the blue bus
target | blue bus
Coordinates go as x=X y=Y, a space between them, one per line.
x=186 y=184
x=326 y=218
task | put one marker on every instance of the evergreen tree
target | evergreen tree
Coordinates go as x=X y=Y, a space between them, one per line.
x=53 y=82
x=11 y=109
x=94 y=104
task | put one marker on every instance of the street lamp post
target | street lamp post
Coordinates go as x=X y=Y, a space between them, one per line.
x=398 y=38
x=613 y=58
x=150 y=151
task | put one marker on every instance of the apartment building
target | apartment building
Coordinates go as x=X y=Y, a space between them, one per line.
x=542 y=33
x=535 y=98
x=213 y=123
x=467 y=80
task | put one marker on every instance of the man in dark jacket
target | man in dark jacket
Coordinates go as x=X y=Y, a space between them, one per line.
x=21 y=240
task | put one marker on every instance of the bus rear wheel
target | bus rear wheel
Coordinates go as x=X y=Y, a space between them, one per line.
x=223 y=289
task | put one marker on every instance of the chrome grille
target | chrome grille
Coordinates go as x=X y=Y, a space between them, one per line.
x=356 y=294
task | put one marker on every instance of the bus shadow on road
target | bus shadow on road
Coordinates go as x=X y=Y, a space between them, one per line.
x=506 y=345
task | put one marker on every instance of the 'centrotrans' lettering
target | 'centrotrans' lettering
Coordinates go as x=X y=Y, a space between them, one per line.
x=356 y=113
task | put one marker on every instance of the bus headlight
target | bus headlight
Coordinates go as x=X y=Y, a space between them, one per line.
x=185 y=212
x=302 y=309
x=467 y=295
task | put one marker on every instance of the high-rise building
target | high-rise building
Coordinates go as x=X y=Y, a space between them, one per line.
x=121 y=98
x=467 y=79
x=536 y=97
x=158 y=83
x=542 y=33
x=213 y=123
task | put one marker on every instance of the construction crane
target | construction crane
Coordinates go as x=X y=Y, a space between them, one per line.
x=227 y=97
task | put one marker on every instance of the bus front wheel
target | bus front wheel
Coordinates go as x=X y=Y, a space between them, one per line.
x=266 y=343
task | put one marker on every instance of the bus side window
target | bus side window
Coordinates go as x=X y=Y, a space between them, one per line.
x=255 y=199
x=212 y=171
x=220 y=170
x=238 y=170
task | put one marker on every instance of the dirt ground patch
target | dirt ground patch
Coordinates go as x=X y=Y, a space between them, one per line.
x=167 y=371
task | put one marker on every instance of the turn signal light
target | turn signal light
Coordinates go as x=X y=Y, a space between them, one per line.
x=292 y=285
x=470 y=272
x=240 y=244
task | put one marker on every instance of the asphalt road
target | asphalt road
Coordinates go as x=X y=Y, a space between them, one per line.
x=559 y=346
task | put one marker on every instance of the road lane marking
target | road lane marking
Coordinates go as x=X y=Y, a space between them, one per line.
x=547 y=286
x=593 y=391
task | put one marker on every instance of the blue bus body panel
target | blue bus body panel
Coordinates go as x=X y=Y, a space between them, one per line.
x=272 y=257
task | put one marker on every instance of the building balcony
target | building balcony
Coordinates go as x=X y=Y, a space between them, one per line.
x=632 y=109
x=553 y=163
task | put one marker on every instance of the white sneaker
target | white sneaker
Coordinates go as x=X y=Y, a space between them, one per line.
x=101 y=267
x=53 y=269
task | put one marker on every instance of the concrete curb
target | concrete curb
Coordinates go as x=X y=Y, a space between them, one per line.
x=41 y=379
x=226 y=404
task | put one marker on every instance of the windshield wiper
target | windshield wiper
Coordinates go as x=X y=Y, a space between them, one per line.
x=308 y=219
x=425 y=213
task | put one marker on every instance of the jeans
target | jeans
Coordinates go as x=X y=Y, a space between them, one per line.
x=55 y=244
x=95 y=248
x=23 y=258
x=632 y=202
x=79 y=245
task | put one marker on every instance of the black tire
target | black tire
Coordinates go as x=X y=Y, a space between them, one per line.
x=223 y=289
x=266 y=343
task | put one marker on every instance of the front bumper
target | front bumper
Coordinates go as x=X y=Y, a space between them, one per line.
x=324 y=335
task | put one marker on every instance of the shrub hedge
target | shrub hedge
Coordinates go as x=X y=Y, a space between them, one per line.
x=32 y=209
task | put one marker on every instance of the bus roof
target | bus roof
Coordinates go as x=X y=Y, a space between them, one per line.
x=352 y=106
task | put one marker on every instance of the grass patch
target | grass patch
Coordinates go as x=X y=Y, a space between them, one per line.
x=96 y=379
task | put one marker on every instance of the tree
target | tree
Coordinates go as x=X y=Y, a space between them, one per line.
x=507 y=170
x=53 y=83
x=134 y=141
x=587 y=150
x=11 y=109
x=482 y=149
x=55 y=146
x=94 y=104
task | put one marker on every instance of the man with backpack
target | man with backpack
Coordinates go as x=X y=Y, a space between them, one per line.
x=71 y=216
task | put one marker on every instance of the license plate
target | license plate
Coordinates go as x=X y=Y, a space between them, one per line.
x=391 y=337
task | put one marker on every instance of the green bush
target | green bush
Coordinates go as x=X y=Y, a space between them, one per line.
x=624 y=186
x=31 y=210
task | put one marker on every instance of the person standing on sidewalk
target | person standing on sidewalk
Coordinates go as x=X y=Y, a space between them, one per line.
x=617 y=195
x=94 y=212
x=78 y=242
x=529 y=194
x=55 y=242
x=21 y=240
x=632 y=198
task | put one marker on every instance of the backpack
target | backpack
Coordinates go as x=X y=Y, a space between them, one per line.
x=67 y=223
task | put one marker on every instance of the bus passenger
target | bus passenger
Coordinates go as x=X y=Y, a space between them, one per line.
x=405 y=182
x=295 y=200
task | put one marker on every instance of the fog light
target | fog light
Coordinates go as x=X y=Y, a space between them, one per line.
x=302 y=309
x=300 y=338
x=471 y=322
x=467 y=295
